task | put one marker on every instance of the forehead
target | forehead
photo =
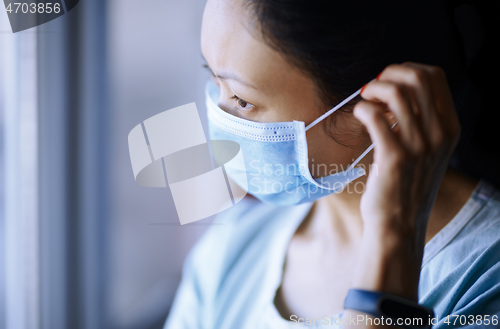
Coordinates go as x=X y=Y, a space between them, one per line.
x=228 y=45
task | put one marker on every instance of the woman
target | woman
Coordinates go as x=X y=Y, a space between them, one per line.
x=395 y=221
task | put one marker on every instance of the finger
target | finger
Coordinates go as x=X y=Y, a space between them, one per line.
x=422 y=95
x=398 y=101
x=371 y=116
x=443 y=97
x=436 y=78
x=449 y=126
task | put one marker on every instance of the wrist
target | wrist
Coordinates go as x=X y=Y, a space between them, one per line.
x=389 y=262
x=396 y=230
x=389 y=239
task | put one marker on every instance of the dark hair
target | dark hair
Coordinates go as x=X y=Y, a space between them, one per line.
x=344 y=44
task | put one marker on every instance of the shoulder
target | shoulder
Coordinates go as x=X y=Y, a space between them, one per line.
x=240 y=236
x=237 y=226
x=482 y=231
x=463 y=277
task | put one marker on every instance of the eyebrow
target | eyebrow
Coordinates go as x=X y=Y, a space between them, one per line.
x=228 y=76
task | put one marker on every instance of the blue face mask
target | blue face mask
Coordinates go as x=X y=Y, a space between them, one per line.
x=275 y=168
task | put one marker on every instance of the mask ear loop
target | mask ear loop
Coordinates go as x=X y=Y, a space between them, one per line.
x=365 y=152
x=339 y=105
x=329 y=112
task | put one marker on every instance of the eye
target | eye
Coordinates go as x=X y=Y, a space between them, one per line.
x=242 y=104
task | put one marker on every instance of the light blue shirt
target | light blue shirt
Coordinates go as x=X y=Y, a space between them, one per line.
x=231 y=275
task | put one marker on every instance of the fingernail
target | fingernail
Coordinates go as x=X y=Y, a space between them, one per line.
x=362 y=88
x=378 y=76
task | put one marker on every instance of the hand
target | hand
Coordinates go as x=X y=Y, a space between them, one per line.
x=410 y=161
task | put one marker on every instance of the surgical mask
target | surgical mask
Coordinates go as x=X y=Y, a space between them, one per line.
x=275 y=167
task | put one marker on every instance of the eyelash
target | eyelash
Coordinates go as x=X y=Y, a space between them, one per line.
x=205 y=65
x=241 y=99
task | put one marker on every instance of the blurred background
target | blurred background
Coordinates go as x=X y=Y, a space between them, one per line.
x=84 y=246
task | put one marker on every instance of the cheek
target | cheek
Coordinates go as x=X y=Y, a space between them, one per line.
x=327 y=156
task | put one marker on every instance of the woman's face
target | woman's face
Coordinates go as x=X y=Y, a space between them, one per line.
x=257 y=83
